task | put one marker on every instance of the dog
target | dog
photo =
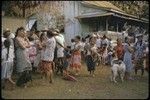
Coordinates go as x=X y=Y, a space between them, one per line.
x=118 y=68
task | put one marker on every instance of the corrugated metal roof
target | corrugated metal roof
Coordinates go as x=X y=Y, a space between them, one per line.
x=94 y=15
x=110 y=7
x=103 y=4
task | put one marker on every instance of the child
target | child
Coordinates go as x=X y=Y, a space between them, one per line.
x=91 y=55
x=76 y=56
x=32 y=52
x=109 y=57
x=66 y=74
x=7 y=62
x=104 y=56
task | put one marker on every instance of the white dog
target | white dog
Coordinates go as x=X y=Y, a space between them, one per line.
x=118 y=68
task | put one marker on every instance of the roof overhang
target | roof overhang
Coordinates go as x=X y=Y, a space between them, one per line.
x=93 y=15
x=112 y=14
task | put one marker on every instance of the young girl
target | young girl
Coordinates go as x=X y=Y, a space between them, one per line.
x=32 y=52
x=91 y=50
x=127 y=59
x=104 y=55
x=47 y=64
x=76 y=56
x=7 y=62
x=66 y=64
x=39 y=49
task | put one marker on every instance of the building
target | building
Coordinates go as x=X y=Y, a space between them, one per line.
x=84 y=17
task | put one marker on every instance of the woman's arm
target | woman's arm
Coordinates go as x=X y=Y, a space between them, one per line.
x=28 y=43
x=20 y=43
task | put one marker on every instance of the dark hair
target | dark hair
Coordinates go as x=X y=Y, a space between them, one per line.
x=42 y=36
x=104 y=36
x=50 y=33
x=90 y=38
x=30 y=38
x=87 y=36
x=83 y=39
x=68 y=56
x=78 y=37
x=72 y=40
x=7 y=45
x=18 y=29
x=37 y=31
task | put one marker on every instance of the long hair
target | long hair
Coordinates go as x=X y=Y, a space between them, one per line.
x=7 y=45
x=18 y=29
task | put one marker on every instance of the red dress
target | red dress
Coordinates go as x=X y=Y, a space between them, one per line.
x=119 y=51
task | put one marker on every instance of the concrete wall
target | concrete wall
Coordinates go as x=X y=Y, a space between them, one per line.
x=74 y=26
x=12 y=23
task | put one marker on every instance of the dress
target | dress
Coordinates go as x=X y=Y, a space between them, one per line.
x=89 y=60
x=119 y=51
x=22 y=57
x=76 y=57
x=7 y=64
x=32 y=52
x=48 y=56
x=127 y=58
x=139 y=54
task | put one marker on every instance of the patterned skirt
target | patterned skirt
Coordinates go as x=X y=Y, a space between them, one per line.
x=45 y=66
x=90 y=63
x=76 y=60
x=139 y=64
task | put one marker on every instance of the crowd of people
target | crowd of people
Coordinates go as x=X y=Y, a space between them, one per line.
x=47 y=53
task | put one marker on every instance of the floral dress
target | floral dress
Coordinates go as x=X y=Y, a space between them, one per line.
x=139 y=54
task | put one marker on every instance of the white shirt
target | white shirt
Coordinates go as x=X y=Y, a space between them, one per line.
x=78 y=45
x=60 y=50
x=82 y=46
x=72 y=45
x=98 y=42
x=10 y=56
x=48 y=53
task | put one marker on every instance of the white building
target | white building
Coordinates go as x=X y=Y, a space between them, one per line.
x=84 y=17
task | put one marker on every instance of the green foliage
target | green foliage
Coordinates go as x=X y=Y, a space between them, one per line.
x=137 y=8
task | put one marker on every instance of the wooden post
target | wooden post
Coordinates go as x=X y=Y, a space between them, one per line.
x=106 y=23
x=117 y=26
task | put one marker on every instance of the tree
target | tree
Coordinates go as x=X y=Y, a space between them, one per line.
x=137 y=8
x=18 y=8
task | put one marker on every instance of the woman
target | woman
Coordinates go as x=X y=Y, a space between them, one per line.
x=47 y=64
x=119 y=50
x=139 y=48
x=91 y=50
x=39 y=49
x=22 y=57
x=76 y=56
x=127 y=59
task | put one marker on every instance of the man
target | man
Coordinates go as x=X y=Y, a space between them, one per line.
x=139 y=47
x=60 y=51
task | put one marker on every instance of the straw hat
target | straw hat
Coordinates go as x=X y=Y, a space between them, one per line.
x=6 y=32
x=57 y=30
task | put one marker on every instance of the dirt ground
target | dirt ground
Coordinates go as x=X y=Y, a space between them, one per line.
x=87 y=87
